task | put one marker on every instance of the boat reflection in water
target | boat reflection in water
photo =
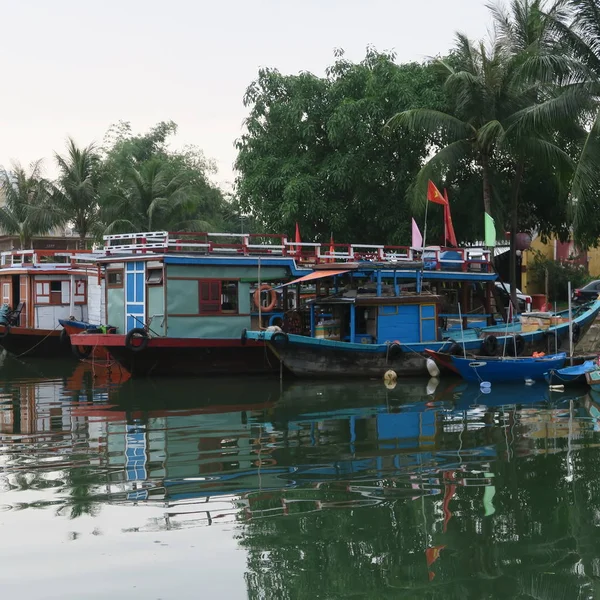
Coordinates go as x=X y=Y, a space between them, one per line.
x=333 y=490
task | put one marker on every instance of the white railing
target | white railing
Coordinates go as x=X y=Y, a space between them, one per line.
x=274 y=245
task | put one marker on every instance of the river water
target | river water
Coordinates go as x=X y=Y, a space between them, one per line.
x=176 y=489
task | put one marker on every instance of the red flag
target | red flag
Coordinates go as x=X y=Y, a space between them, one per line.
x=433 y=194
x=297 y=249
x=331 y=248
x=449 y=235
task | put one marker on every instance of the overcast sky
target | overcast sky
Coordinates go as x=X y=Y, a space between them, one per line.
x=73 y=67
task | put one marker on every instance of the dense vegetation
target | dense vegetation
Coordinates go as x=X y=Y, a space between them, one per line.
x=509 y=125
x=129 y=183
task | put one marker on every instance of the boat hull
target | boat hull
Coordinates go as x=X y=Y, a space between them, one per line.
x=181 y=357
x=35 y=343
x=322 y=358
x=508 y=369
x=76 y=327
x=575 y=375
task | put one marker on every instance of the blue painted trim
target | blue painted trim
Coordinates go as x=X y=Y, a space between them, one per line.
x=471 y=343
x=250 y=261
x=378 y=285
x=352 y=321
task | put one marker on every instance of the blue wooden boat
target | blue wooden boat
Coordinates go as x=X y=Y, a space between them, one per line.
x=571 y=375
x=361 y=331
x=509 y=368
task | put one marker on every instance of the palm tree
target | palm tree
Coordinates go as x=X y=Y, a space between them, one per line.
x=23 y=212
x=153 y=198
x=75 y=196
x=492 y=88
x=576 y=25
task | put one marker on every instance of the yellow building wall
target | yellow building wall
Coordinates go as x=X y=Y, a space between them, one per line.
x=547 y=250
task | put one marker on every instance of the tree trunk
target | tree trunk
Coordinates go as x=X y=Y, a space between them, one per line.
x=487 y=185
x=514 y=224
x=81 y=242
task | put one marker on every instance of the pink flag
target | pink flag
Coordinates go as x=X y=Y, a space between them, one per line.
x=417 y=238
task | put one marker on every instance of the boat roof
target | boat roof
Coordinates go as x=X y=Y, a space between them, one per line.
x=302 y=258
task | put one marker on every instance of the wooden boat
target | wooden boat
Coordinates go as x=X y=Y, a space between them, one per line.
x=506 y=369
x=370 y=333
x=593 y=379
x=573 y=375
x=179 y=305
x=45 y=286
x=74 y=327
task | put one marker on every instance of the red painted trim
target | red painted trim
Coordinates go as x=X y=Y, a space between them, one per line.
x=108 y=340
x=31 y=331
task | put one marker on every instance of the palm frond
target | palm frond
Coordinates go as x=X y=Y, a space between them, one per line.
x=585 y=188
x=436 y=168
x=431 y=121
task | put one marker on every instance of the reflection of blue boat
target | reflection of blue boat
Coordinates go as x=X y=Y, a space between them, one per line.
x=508 y=368
x=507 y=394
x=570 y=375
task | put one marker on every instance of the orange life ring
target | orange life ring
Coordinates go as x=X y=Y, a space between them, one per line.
x=272 y=294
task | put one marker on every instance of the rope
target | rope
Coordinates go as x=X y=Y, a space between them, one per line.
x=36 y=345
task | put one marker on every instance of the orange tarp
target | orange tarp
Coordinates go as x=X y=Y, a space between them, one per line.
x=316 y=275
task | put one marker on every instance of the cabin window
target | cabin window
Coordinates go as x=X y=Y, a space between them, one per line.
x=6 y=293
x=114 y=279
x=155 y=277
x=58 y=292
x=217 y=297
x=229 y=296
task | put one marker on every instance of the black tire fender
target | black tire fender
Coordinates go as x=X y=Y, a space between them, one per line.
x=244 y=337
x=4 y=330
x=489 y=346
x=280 y=339
x=576 y=332
x=139 y=334
x=455 y=349
x=394 y=350
x=65 y=338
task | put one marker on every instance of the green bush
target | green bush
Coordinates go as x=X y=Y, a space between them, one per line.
x=559 y=275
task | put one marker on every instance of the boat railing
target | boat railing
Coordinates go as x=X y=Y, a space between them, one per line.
x=29 y=258
x=277 y=245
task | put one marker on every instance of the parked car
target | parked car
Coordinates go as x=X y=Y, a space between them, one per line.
x=587 y=292
x=524 y=300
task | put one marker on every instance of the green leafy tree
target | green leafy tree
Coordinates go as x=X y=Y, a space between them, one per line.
x=74 y=196
x=23 y=212
x=152 y=200
x=315 y=150
x=492 y=89
x=147 y=186
x=576 y=24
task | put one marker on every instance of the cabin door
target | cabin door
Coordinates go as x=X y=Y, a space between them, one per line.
x=135 y=298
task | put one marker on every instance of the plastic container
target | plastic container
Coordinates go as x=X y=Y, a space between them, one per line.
x=538 y=301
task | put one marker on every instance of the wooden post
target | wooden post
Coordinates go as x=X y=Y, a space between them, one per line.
x=465 y=303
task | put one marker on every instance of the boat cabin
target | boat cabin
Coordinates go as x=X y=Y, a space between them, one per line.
x=42 y=286
x=369 y=304
x=186 y=287
x=214 y=285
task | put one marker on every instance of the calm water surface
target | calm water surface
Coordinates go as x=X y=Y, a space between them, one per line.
x=245 y=489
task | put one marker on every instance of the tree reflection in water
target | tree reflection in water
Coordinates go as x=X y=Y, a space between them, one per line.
x=333 y=490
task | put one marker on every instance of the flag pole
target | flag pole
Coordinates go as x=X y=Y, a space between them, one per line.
x=425 y=228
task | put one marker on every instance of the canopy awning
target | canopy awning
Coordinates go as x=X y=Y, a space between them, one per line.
x=316 y=275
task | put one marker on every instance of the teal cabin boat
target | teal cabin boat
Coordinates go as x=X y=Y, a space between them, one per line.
x=375 y=321
x=177 y=302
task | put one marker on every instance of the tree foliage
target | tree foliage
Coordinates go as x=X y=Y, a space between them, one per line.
x=24 y=211
x=316 y=152
x=149 y=187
